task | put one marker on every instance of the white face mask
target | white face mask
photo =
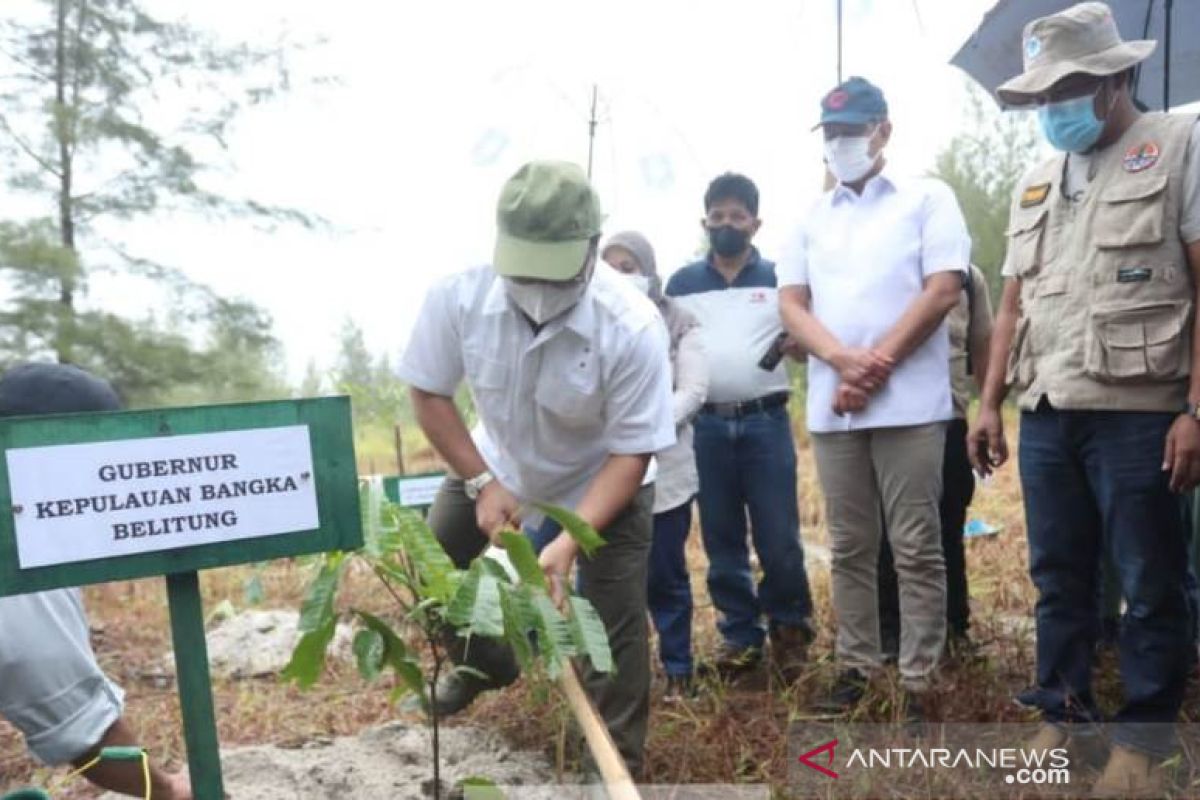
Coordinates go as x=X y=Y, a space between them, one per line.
x=542 y=302
x=849 y=158
x=639 y=281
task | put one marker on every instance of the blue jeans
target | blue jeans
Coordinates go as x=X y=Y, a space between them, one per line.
x=747 y=467
x=1093 y=481
x=669 y=589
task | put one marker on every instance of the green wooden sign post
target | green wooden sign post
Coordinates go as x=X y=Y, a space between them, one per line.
x=90 y=498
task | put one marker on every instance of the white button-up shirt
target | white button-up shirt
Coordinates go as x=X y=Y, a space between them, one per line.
x=553 y=406
x=865 y=259
x=50 y=685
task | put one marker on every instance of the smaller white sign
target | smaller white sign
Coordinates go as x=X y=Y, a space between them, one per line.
x=419 y=491
x=79 y=502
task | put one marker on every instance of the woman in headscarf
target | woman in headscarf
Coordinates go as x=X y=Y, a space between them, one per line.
x=669 y=588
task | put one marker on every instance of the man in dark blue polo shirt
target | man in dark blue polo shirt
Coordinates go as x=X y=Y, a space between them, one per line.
x=744 y=448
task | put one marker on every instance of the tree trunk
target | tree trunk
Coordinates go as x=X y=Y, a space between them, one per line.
x=66 y=222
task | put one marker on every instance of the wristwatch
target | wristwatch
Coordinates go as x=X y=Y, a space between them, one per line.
x=473 y=486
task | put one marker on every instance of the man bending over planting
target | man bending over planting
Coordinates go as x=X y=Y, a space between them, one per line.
x=569 y=370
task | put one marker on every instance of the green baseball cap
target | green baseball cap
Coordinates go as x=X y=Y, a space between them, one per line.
x=547 y=214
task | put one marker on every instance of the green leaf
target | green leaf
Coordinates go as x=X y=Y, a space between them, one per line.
x=476 y=604
x=434 y=568
x=308 y=659
x=553 y=634
x=396 y=574
x=476 y=788
x=369 y=651
x=589 y=635
x=394 y=648
x=396 y=655
x=519 y=622
x=317 y=608
x=520 y=552
x=496 y=569
x=585 y=535
x=413 y=679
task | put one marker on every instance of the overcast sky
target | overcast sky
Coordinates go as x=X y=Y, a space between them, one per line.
x=439 y=102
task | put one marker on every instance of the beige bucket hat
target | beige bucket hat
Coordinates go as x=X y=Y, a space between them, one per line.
x=1083 y=38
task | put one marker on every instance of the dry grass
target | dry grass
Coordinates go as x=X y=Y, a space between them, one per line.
x=730 y=734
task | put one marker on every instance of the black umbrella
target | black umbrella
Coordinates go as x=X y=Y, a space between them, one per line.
x=1170 y=77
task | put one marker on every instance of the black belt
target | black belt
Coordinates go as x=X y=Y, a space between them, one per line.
x=746 y=407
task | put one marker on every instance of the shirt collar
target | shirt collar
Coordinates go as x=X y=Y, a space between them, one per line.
x=880 y=184
x=751 y=262
x=496 y=301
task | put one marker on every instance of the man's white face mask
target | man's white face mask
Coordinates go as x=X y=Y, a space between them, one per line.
x=543 y=301
x=849 y=157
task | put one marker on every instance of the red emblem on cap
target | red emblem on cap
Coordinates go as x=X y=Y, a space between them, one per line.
x=1140 y=157
x=836 y=99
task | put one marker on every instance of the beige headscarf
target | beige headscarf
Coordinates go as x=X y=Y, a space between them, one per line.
x=678 y=321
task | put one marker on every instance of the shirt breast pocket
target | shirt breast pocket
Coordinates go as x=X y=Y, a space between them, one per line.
x=487 y=377
x=575 y=401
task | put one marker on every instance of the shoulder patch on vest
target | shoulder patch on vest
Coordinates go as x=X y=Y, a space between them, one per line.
x=1141 y=157
x=1034 y=195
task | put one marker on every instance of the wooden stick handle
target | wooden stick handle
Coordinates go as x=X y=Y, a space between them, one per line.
x=614 y=773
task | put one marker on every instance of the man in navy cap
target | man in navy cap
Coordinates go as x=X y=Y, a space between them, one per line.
x=51 y=687
x=866 y=284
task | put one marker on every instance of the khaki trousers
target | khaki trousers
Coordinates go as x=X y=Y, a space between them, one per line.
x=900 y=471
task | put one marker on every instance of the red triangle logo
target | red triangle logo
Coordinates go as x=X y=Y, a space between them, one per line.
x=829 y=747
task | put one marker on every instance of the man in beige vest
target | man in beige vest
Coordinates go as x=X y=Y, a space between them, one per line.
x=1095 y=333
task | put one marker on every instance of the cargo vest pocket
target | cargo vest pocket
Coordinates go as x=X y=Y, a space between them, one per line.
x=1020 y=362
x=1147 y=342
x=1027 y=242
x=1132 y=213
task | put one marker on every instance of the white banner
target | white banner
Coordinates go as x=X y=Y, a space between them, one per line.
x=78 y=502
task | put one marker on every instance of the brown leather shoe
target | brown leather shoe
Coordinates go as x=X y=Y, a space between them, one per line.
x=1130 y=774
x=730 y=662
x=789 y=652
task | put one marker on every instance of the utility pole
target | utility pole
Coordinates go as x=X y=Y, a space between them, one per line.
x=1167 y=9
x=592 y=132
x=839 y=42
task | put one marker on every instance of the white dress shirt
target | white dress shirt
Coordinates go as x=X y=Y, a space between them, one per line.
x=553 y=406
x=51 y=688
x=865 y=259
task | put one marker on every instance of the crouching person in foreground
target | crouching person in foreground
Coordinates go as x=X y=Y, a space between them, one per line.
x=51 y=687
x=568 y=366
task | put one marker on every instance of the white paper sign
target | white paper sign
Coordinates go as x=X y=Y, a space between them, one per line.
x=78 y=502
x=419 y=491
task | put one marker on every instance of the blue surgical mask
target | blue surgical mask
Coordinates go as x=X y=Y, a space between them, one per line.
x=1071 y=125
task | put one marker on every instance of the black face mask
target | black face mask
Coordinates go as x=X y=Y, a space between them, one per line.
x=728 y=241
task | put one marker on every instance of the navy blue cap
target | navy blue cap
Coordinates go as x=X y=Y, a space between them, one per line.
x=857 y=101
x=42 y=388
